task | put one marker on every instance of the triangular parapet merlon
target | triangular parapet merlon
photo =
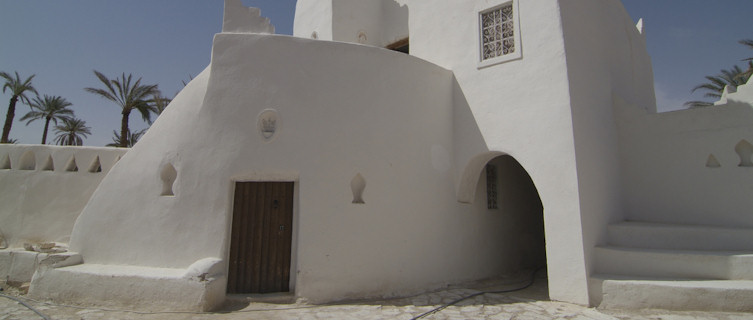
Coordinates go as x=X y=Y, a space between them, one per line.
x=241 y=19
x=639 y=26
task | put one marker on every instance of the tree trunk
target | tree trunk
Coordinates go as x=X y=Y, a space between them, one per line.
x=124 y=129
x=46 y=126
x=9 y=119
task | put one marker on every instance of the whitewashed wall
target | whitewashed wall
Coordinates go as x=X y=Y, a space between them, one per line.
x=521 y=108
x=550 y=109
x=371 y=22
x=670 y=175
x=313 y=17
x=41 y=195
x=606 y=57
x=419 y=135
x=344 y=109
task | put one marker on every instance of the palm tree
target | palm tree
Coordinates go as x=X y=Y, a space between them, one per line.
x=71 y=132
x=51 y=108
x=160 y=103
x=748 y=43
x=19 y=89
x=133 y=137
x=716 y=84
x=128 y=95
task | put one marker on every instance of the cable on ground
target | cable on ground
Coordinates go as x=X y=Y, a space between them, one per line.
x=27 y=306
x=442 y=307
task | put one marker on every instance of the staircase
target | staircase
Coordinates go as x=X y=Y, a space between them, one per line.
x=676 y=267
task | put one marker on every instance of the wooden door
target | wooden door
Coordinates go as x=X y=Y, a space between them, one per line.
x=261 y=237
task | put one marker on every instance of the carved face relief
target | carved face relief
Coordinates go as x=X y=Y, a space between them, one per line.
x=268 y=122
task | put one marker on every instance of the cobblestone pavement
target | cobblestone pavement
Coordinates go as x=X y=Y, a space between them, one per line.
x=526 y=304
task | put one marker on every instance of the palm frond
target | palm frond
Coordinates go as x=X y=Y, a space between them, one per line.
x=698 y=104
x=714 y=86
x=128 y=94
x=132 y=137
x=18 y=87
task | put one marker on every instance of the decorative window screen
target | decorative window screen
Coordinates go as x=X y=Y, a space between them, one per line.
x=498 y=32
x=491 y=187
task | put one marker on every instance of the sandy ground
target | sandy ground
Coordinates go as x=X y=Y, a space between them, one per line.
x=530 y=303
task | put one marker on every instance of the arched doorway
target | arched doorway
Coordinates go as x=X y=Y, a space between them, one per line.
x=510 y=191
x=504 y=189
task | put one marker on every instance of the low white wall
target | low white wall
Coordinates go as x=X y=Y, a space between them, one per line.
x=669 y=176
x=40 y=193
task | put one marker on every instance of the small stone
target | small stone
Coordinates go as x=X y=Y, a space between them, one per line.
x=24 y=287
x=46 y=245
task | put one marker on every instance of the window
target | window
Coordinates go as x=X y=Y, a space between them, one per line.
x=491 y=187
x=500 y=34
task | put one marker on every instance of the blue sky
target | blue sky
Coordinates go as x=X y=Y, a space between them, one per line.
x=167 y=41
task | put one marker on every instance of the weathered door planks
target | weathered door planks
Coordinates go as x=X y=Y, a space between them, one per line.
x=261 y=237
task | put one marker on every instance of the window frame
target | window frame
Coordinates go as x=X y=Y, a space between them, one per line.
x=518 y=53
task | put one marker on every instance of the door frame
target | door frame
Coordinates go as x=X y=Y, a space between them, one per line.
x=264 y=177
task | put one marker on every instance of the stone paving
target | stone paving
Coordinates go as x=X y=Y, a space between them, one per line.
x=526 y=304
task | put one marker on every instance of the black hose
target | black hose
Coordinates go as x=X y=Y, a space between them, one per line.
x=26 y=305
x=442 y=307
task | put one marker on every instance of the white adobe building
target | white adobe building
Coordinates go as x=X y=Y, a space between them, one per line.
x=515 y=134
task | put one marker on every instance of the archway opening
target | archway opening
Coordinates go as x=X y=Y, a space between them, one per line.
x=508 y=195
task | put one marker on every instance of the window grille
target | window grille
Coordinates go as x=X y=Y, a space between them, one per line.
x=498 y=32
x=491 y=187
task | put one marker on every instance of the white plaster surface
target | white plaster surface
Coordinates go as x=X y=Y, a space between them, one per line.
x=679 y=295
x=495 y=110
x=41 y=205
x=370 y=22
x=680 y=237
x=114 y=286
x=665 y=157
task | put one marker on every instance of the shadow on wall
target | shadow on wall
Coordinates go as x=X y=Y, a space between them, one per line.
x=511 y=192
x=497 y=183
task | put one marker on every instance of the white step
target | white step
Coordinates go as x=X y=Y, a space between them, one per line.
x=679 y=237
x=701 y=295
x=719 y=265
x=198 y=288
